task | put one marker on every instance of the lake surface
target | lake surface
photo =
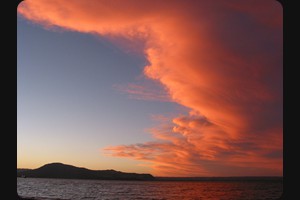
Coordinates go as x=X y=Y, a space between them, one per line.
x=71 y=189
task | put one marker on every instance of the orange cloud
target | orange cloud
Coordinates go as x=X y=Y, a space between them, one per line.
x=220 y=59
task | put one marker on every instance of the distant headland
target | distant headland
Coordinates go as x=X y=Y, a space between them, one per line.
x=60 y=170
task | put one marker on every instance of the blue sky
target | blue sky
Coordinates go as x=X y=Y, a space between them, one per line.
x=69 y=101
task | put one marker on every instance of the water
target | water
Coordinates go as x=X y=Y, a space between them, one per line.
x=45 y=189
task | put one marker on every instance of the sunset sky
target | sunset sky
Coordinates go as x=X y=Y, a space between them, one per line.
x=167 y=87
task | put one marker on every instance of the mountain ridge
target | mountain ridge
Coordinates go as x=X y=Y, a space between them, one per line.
x=60 y=170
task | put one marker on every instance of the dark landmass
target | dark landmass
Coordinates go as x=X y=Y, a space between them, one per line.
x=60 y=170
x=22 y=170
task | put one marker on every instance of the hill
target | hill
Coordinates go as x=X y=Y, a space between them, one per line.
x=60 y=170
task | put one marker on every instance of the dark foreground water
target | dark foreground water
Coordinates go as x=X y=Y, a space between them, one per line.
x=41 y=188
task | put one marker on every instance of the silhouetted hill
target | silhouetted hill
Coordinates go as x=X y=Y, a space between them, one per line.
x=60 y=170
x=22 y=170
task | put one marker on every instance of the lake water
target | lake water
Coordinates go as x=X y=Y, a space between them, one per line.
x=72 y=189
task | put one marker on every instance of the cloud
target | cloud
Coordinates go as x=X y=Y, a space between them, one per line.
x=194 y=146
x=220 y=59
x=144 y=92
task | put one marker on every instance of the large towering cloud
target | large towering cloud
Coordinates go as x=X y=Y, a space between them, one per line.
x=221 y=59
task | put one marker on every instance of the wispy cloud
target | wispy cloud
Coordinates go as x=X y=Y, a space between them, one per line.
x=220 y=59
x=144 y=92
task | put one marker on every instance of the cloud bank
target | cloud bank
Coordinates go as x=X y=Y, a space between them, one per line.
x=221 y=59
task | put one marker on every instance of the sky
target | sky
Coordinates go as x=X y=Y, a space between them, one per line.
x=171 y=88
